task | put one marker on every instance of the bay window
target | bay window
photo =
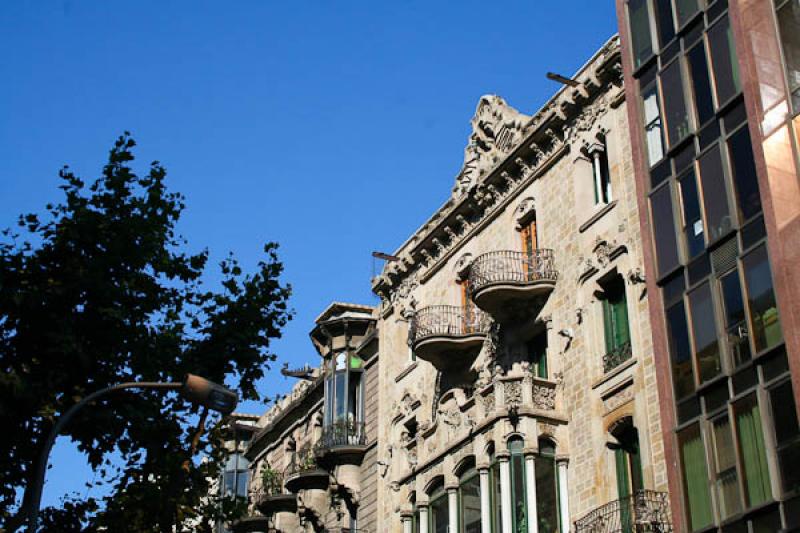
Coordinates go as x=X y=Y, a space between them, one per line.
x=344 y=409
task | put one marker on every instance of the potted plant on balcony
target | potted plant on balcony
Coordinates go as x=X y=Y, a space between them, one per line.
x=271 y=480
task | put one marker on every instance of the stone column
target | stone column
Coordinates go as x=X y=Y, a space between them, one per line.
x=530 y=499
x=452 y=509
x=486 y=500
x=505 y=492
x=423 y=518
x=598 y=185
x=407 y=520
x=563 y=494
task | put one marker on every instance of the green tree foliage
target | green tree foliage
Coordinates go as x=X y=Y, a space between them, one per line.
x=100 y=290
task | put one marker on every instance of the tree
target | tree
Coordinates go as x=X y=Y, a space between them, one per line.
x=100 y=290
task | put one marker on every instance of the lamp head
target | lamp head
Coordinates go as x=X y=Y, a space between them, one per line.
x=201 y=391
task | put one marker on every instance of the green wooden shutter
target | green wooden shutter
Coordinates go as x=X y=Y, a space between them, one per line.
x=621 y=331
x=608 y=325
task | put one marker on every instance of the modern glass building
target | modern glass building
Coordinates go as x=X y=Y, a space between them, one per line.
x=712 y=97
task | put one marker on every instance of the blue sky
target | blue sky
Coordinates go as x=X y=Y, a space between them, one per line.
x=334 y=128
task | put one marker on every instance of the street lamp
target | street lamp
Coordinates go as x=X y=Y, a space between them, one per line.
x=195 y=389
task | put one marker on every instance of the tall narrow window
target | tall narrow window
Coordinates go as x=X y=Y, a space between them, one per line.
x=680 y=351
x=743 y=169
x=438 y=511
x=530 y=243
x=495 y=492
x=789 y=24
x=735 y=323
x=715 y=197
x=695 y=478
x=601 y=174
x=664 y=21
x=673 y=93
x=704 y=330
x=727 y=478
x=615 y=321
x=518 y=501
x=653 y=130
x=344 y=411
x=641 y=37
x=469 y=498
x=724 y=62
x=546 y=487
x=537 y=355
x=701 y=85
x=787 y=435
x=693 y=229
x=663 y=222
x=628 y=469
x=752 y=451
x=764 y=320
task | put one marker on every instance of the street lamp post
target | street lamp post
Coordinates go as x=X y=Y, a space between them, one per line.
x=193 y=388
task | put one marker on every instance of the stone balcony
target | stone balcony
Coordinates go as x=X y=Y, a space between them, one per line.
x=305 y=473
x=273 y=497
x=342 y=442
x=507 y=284
x=447 y=335
x=645 y=511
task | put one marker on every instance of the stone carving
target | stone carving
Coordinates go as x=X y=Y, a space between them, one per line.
x=544 y=397
x=546 y=430
x=513 y=393
x=617 y=398
x=487 y=401
x=525 y=210
x=635 y=275
x=496 y=128
x=588 y=117
x=463 y=264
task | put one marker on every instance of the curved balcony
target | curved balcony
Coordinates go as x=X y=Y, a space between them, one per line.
x=643 y=511
x=445 y=335
x=305 y=473
x=344 y=440
x=252 y=524
x=504 y=282
x=273 y=498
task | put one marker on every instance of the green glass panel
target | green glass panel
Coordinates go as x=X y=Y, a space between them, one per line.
x=753 y=451
x=695 y=478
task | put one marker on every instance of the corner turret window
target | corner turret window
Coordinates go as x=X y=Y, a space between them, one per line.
x=344 y=405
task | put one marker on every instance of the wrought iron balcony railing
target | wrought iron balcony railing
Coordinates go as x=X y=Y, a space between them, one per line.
x=645 y=511
x=617 y=356
x=448 y=321
x=271 y=483
x=342 y=433
x=507 y=266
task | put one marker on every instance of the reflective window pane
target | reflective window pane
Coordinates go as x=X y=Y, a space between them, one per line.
x=704 y=330
x=715 y=197
x=680 y=351
x=642 y=41
x=664 y=230
x=546 y=497
x=789 y=24
x=743 y=170
x=675 y=114
x=735 y=324
x=685 y=9
x=701 y=85
x=664 y=20
x=439 y=517
x=692 y=218
x=470 y=502
x=766 y=326
x=725 y=66
x=653 y=130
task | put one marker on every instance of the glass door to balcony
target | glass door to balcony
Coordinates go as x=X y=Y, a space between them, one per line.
x=629 y=475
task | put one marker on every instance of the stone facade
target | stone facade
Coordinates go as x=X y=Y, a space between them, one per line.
x=512 y=343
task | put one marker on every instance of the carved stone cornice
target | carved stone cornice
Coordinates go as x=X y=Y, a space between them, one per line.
x=505 y=153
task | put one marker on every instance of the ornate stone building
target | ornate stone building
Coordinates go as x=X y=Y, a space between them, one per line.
x=506 y=380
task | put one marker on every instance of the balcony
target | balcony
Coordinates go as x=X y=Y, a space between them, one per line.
x=252 y=524
x=344 y=440
x=506 y=283
x=646 y=511
x=305 y=473
x=616 y=357
x=445 y=335
x=273 y=498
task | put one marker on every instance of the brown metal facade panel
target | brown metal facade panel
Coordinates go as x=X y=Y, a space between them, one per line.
x=767 y=101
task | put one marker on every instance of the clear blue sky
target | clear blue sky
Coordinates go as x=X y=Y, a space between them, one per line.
x=334 y=128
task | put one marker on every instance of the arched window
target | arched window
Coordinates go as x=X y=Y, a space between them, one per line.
x=519 y=507
x=469 y=501
x=438 y=510
x=344 y=394
x=546 y=487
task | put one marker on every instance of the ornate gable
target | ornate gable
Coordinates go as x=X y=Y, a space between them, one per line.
x=496 y=129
